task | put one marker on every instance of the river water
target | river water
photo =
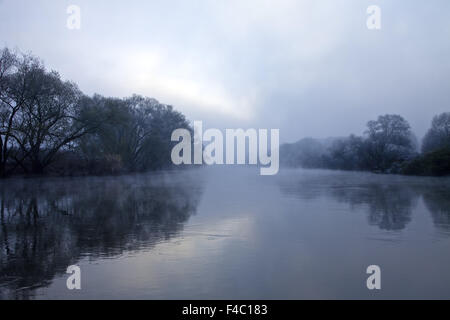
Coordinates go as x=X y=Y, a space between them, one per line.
x=226 y=234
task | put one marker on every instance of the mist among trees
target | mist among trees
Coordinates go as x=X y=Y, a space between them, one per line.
x=387 y=146
x=47 y=125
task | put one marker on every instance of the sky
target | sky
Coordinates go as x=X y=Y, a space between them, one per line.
x=310 y=68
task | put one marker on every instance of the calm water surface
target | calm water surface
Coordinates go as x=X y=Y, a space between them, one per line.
x=226 y=234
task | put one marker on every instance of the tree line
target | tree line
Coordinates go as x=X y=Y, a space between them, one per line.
x=48 y=125
x=387 y=146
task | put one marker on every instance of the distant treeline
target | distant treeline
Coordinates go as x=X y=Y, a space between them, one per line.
x=387 y=146
x=48 y=126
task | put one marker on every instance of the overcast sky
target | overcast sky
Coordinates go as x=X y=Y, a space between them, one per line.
x=307 y=67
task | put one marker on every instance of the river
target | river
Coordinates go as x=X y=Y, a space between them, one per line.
x=226 y=234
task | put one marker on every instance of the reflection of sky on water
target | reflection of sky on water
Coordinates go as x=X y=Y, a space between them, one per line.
x=235 y=234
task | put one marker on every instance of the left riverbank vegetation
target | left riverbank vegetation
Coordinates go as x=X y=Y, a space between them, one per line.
x=48 y=126
x=387 y=146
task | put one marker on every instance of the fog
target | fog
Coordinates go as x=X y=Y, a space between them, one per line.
x=105 y=161
x=225 y=233
x=308 y=68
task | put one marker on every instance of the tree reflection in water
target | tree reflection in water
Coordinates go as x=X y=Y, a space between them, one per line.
x=388 y=200
x=438 y=202
x=47 y=225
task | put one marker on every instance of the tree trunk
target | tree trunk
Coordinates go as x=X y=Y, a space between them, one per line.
x=2 y=163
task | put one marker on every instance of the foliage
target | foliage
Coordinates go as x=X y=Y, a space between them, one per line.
x=388 y=141
x=435 y=163
x=438 y=136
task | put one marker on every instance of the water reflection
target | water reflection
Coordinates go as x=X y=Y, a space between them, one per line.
x=438 y=202
x=389 y=206
x=388 y=200
x=301 y=234
x=47 y=225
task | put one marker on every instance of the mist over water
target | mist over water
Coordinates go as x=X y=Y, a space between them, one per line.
x=225 y=233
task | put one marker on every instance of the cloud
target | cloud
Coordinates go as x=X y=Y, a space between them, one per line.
x=310 y=68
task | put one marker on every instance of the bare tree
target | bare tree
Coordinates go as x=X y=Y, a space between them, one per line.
x=43 y=118
x=8 y=107
x=43 y=114
x=136 y=133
